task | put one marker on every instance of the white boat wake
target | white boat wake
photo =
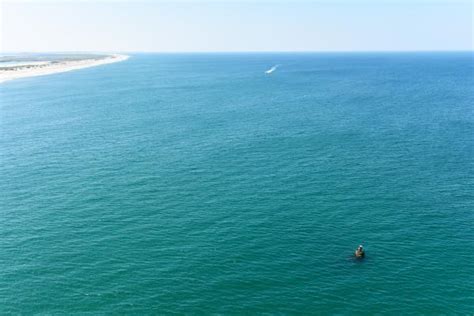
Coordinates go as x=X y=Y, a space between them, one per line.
x=269 y=71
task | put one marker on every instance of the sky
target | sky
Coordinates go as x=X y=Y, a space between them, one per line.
x=235 y=25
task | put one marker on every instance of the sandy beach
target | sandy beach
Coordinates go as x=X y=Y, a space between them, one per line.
x=42 y=69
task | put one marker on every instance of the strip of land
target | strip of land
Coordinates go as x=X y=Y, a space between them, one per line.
x=33 y=69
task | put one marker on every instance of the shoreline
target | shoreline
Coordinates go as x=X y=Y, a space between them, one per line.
x=58 y=67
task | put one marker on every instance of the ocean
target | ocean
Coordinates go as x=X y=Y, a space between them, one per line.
x=200 y=184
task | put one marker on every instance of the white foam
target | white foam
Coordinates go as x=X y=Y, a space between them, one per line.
x=269 y=71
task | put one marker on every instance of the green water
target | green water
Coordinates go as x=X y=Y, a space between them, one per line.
x=197 y=184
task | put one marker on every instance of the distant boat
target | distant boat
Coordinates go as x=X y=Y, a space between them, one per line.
x=269 y=71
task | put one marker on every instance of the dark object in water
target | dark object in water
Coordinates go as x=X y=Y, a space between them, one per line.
x=360 y=253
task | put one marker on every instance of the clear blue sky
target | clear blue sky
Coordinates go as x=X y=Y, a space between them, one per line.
x=236 y=25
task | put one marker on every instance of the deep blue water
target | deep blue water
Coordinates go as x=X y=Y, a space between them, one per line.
x=197 y=184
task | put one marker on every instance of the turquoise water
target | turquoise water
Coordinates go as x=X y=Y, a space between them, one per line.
x=197 y=184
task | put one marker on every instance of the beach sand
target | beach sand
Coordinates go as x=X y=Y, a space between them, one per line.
x=62 y=66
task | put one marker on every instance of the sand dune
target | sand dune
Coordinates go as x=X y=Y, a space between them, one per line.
x=56 y=67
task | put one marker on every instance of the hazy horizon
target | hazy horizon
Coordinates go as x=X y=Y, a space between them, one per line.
x=239 y=52
x=235 y=26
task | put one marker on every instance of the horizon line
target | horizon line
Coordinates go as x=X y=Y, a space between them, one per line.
x=241 y=51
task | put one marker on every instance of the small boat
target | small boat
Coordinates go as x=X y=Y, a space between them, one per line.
x=269 y=71
x=360 y=252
